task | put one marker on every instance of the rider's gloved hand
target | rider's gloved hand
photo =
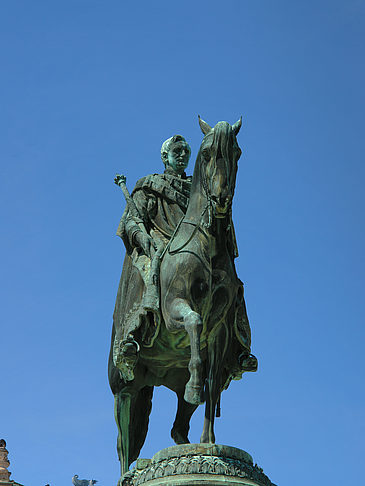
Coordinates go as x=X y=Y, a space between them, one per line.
x=145 y=242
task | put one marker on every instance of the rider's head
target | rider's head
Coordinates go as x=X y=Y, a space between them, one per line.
x=175 y=153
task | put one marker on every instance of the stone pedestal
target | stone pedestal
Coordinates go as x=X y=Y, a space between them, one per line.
x=195 y=465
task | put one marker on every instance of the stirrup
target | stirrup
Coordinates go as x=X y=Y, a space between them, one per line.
x=129 y=348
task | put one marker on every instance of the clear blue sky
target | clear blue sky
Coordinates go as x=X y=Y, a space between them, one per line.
x=90 y=88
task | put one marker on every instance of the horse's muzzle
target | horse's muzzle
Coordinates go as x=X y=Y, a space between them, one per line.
x=221 y=206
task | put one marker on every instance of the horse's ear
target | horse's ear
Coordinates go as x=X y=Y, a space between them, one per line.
x=204 y=126
x=236 y=127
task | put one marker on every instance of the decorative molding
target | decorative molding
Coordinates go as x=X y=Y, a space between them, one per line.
x=196 y=464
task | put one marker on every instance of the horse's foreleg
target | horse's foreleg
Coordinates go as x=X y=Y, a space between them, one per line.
x=179 y=315
x=194 y=388
x=210 y=410
x=122 y=410
x=185 y=410
x=216 y=355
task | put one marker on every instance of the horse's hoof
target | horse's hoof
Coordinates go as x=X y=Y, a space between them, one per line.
x=207 y=440
x=194 y=395
x=179 y=438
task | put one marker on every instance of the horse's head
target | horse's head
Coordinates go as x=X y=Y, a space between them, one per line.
x=219 y=154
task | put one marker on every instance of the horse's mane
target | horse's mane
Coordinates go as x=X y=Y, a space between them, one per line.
x=222 y=139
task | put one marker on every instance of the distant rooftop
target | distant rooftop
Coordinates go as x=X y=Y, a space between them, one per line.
x=4 y=464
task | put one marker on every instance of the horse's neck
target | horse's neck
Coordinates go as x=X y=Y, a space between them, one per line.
x=197 y=210
x=200 y=212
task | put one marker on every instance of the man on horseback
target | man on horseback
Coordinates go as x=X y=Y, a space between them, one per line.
x=159 y=201
x=180 y=318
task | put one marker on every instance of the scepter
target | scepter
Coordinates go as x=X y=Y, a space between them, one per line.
x=120 y=180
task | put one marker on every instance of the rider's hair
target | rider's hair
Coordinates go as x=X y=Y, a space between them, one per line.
x=167 y=145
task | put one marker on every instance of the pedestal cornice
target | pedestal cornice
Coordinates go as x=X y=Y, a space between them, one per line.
x=197 y=464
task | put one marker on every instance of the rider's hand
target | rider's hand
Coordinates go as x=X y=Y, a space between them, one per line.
x=145 y=242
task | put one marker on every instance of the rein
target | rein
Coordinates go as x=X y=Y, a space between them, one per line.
x=196 y=227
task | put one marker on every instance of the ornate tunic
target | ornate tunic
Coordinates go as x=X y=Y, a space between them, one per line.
x=162 y=200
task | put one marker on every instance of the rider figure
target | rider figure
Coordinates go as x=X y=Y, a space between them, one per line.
x=156 y=193
x=161 y=201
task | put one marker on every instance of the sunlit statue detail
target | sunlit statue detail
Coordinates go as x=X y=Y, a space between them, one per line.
x=180 y=318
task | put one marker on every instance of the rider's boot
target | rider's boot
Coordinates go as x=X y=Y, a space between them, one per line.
x=126 y=357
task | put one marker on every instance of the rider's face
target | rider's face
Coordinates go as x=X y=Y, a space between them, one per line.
x=178 y=157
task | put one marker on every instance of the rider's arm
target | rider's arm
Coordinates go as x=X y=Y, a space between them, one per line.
x=132 y=227
x=128 y=228
x=133 y=230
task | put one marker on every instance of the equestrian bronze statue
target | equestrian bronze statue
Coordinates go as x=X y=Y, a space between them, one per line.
x=180 y=317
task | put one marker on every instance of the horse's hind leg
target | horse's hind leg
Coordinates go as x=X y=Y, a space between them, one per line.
x=140 y=411
x=132 y=409
x=185 y=410
x=179 y=315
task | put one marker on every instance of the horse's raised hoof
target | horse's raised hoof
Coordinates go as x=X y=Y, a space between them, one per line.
x=194 y=394
x=178 y=437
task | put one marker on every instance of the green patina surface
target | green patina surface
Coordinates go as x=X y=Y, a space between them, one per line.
x=180 y=317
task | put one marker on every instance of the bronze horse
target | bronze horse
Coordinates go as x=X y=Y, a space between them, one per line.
x=204 y=337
